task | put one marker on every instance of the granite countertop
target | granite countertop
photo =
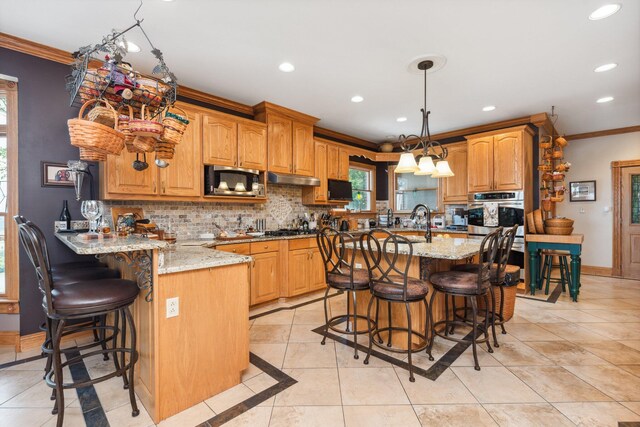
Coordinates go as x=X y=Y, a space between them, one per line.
x=179 y=258
x=441 y=248
x=107 y=246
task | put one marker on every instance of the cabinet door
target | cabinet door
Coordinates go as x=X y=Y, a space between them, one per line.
x=122 y=178
x=303 y=145
x=333 y=162
x=508 y=161
x=317 y=279
x=343 y=172
x=219 y=140
x=252 y=146
x=299 y=272
x=320 y=192
x=265 y=276
x=480 y=164
x=454 y=189
x=279 y=148
x=183 y=175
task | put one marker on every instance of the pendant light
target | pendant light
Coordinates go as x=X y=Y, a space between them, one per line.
x=433 y=157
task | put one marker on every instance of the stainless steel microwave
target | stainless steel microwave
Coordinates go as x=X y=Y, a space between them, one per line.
x=229 y=181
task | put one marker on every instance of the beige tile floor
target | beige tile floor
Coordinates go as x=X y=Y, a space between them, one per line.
x=561 y=364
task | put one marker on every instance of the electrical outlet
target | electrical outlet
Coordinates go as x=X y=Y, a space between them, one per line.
x=358 y=265
x=173 y=307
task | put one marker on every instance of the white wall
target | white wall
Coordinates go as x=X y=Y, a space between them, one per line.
x=591 y=160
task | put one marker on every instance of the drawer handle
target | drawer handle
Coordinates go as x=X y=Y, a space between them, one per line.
x=266 y=246
x=235 y=250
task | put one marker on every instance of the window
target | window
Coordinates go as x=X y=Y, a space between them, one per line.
x=410 y=190
x=8 y=191
x=362 y=178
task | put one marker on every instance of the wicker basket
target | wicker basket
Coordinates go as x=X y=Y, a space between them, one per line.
x=145 y=127
x=103 y=115
x=560 y=231
x=509 y=301
x=558 y=222
x=95 y=136
x=89 y=155
x=173 y=127
x=165 y=150
x=144 y=144
x=123 y=126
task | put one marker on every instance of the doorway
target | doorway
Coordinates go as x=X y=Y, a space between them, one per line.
x=626 y=209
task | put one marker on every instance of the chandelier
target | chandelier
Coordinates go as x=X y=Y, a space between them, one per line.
x=433 y=161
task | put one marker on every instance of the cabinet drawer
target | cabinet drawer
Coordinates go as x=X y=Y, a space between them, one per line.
x=240 y=248
x=302 y=244
x=260 y=247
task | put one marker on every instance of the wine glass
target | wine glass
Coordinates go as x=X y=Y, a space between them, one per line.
x=91 y=210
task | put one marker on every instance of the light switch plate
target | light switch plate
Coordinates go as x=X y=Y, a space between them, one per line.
x=173 y=307
x=358 y=265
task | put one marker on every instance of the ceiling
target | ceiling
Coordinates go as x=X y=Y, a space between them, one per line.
x=521 y=56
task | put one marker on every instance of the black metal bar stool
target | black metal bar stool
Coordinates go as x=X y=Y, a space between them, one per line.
x=338 y=250
x=388 y=264
x=471 y=286
x=501 y=275
x=81 y=300
x=547 y=267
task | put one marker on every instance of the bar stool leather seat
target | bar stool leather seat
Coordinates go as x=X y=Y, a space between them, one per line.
x=73 y=276
x=416 y=289
x=343 y=281
x=462 y=282
x=94 y=296
x=76 y=265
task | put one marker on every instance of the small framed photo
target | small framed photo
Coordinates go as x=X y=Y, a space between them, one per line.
x=582 y=191
x=56 y=175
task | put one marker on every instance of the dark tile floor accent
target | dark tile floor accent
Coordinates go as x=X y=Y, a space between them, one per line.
x=552 y=298
x=92 y=410
x=21 y=361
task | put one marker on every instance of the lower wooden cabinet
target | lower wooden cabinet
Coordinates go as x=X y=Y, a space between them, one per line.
x=306 y=269
x=265 y=277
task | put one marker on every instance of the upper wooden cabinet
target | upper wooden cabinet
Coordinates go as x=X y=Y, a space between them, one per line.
x=232 y=141
x=319 y=194
x=454 y=189
x=290 y=145
x=499 y=160
x=118 y=178
x=337 y=163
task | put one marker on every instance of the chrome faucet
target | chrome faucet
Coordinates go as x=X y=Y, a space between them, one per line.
x=418 y=212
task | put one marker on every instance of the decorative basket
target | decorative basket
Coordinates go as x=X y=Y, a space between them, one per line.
x=546 y=205
x=509 y=301
x=558 y=176
x=559 y=231
x=149 y=91
x=545 y=145
x=145 y=127
x=174 y=126
x=95 y=136
x=89 y=155
x=561 y=142
x=558 y=222
x=165 y=150
x=102 y=115
x=123 y=126
x=557 y=153
x=144 y=144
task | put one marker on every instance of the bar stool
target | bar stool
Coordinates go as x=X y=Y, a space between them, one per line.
x=80 y=300
x=389 y=282
x=547 y=267
x=501 y=275
x=471 y=286
x=340 y=274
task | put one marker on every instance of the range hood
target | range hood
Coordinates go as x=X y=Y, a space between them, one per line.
x=279 y=178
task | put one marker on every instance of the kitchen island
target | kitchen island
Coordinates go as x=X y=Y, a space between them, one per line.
x=192 y=318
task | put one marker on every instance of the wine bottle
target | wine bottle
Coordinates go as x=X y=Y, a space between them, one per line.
x=65 y=216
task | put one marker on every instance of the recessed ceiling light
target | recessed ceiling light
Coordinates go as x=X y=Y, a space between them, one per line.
x=605 y=67
x=357 y=98
x=604 y=11
x=401 y=119
x=605 y=99
x=286 y=67
x=489 y=108
x=131 y=46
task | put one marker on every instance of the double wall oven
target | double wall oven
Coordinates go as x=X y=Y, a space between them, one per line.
x=488 y=211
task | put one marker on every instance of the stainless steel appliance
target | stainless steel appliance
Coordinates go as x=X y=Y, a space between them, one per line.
x=229 y=181
x=487 y=211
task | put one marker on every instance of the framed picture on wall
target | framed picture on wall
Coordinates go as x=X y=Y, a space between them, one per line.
x=56 y=175
x=582 y=191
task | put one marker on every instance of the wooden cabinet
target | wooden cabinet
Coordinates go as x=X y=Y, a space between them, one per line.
x=231 y=141
x=317 y=274
x=337 y=163
x=265 y=277
x=454 y=189
x=318 y=195
x=119 y=178
x=279 y=146
x=290 y=145
x=219 y=140
x=303 y=150
x=252 y=146
x=499 y=160
x=343 y=168
x=183 y=177
x=306 y=268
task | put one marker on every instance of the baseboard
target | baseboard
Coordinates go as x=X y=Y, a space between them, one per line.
x=9 y=338
x=31 y=341
x=596 y=271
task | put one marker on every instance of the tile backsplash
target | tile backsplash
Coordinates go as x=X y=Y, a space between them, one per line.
x=190 y=219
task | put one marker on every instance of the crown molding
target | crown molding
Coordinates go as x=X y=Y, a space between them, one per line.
x=599 y=133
